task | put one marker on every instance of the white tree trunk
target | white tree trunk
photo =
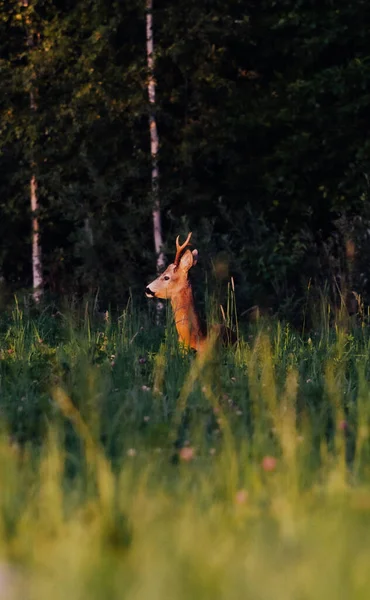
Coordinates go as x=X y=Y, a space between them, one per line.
x=36 y=246
x=154 y=142
x=37 y=278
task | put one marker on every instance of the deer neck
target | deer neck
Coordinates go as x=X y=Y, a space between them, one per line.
x=187 y=319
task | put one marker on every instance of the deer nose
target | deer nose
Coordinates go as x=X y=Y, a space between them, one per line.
x=149 y=292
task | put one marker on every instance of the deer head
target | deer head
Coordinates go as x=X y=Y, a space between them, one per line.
x=175 y=278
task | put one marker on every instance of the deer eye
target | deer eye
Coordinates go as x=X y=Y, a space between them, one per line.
x=166 y=278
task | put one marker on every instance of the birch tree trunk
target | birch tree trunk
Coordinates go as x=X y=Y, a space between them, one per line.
x=37 y=278
x=154 y=142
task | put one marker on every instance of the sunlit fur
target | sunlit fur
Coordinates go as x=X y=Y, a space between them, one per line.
x=174 y=285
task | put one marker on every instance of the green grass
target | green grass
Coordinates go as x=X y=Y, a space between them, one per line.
x=130 y=469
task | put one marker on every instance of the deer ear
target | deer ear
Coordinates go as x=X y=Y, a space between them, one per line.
x=187 y=261
x=195 y=257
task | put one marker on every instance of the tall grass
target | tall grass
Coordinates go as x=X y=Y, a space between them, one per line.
x=132 y=469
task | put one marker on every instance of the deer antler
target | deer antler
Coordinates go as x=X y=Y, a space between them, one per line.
x=180 y=248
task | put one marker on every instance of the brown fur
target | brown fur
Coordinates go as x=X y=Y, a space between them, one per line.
x=174 y=285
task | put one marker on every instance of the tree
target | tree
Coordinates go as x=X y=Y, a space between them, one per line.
x=154 y=142
x=37 y=277
x=262 y=114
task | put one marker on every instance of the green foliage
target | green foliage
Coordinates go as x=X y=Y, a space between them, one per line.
x=125 y=384
x=271 y=478
x=262 y=118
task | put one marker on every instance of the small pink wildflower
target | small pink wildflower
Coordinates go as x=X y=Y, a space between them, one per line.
x=269 y=463
x=343 y=425
x=241 y=497
x=187 y=454
x=131 y=452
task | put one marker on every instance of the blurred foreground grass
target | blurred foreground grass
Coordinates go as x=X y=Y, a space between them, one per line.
x=130 y=470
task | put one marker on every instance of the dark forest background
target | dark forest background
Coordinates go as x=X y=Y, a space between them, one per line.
x=263 y=111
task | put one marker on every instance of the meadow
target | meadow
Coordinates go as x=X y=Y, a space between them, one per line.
x=132 y=469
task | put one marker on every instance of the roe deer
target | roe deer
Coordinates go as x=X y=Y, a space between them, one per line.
x=174 y=285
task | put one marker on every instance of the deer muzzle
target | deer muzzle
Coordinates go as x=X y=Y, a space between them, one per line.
x=149 y=293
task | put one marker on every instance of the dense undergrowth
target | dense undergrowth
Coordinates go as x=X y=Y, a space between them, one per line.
x=132 y=469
